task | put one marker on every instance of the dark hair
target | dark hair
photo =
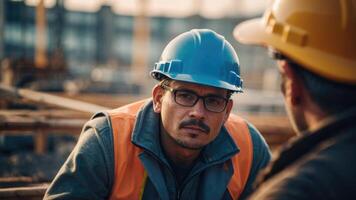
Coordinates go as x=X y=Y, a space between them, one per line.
x=166 y=81
x=331 y=96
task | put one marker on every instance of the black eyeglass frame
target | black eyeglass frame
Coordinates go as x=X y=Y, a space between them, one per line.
x=174 y=92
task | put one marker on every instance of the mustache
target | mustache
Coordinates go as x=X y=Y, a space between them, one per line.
x=195 y=122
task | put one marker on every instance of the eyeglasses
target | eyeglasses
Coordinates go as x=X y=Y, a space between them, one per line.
x=189 y=98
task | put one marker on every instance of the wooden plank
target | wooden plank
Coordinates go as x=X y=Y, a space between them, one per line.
x=45 y=98
x=15 y=180
x=29 y=193
x=6 y=182
x=48 y=113
x=40 y=128
x=15 y=125
x=40 y=97
x=107 y=100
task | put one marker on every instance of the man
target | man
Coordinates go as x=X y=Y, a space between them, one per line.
x=181 y=144
x=315 y=46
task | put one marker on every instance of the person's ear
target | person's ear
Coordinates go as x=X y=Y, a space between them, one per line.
x=157 y=95
x=292 y=83
x=228 y=109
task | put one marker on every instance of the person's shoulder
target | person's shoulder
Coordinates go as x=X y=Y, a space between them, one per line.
x=130 y=110
x=99 y=123
x=331 y=164
x=329 y=172
x=326 y=171
x=338 y=153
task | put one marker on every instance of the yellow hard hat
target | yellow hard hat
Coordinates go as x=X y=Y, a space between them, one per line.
x=320 y=35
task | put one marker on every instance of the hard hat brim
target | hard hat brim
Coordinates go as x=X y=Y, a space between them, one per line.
x=204 y=80
x=254 y=32
x=208 y=81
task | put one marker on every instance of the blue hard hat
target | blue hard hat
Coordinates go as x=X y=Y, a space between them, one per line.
x=203 y=57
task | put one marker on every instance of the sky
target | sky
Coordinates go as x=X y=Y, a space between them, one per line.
x=170 y=8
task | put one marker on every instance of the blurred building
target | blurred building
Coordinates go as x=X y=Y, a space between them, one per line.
x=104 y=39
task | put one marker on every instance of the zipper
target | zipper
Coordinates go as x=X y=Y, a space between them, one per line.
x=189 y=178
x=195 y=173
x=178 y=195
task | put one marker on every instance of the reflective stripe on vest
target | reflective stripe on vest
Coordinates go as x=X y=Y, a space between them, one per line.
x=130 y=175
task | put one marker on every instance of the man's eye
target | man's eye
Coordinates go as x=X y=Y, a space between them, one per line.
x=214 y=101
x=185 y=95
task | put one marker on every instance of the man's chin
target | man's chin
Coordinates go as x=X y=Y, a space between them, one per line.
x=190 y=145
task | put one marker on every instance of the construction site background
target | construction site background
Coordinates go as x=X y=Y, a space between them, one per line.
x=60 y=65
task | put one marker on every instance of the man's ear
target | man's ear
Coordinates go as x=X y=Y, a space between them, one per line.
x=292 y=83
x=229 y=106
x=157 y=95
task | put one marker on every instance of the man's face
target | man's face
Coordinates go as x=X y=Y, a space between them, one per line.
x=189 y=127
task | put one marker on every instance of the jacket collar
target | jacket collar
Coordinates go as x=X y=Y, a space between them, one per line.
x=146 y=135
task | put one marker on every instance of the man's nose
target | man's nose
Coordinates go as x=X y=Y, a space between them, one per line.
x=198 y=111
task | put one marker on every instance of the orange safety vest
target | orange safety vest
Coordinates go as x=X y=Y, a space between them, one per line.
x=130 y=175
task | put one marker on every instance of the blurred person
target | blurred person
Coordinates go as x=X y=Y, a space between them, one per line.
x=314 y=44
x=183 y=143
